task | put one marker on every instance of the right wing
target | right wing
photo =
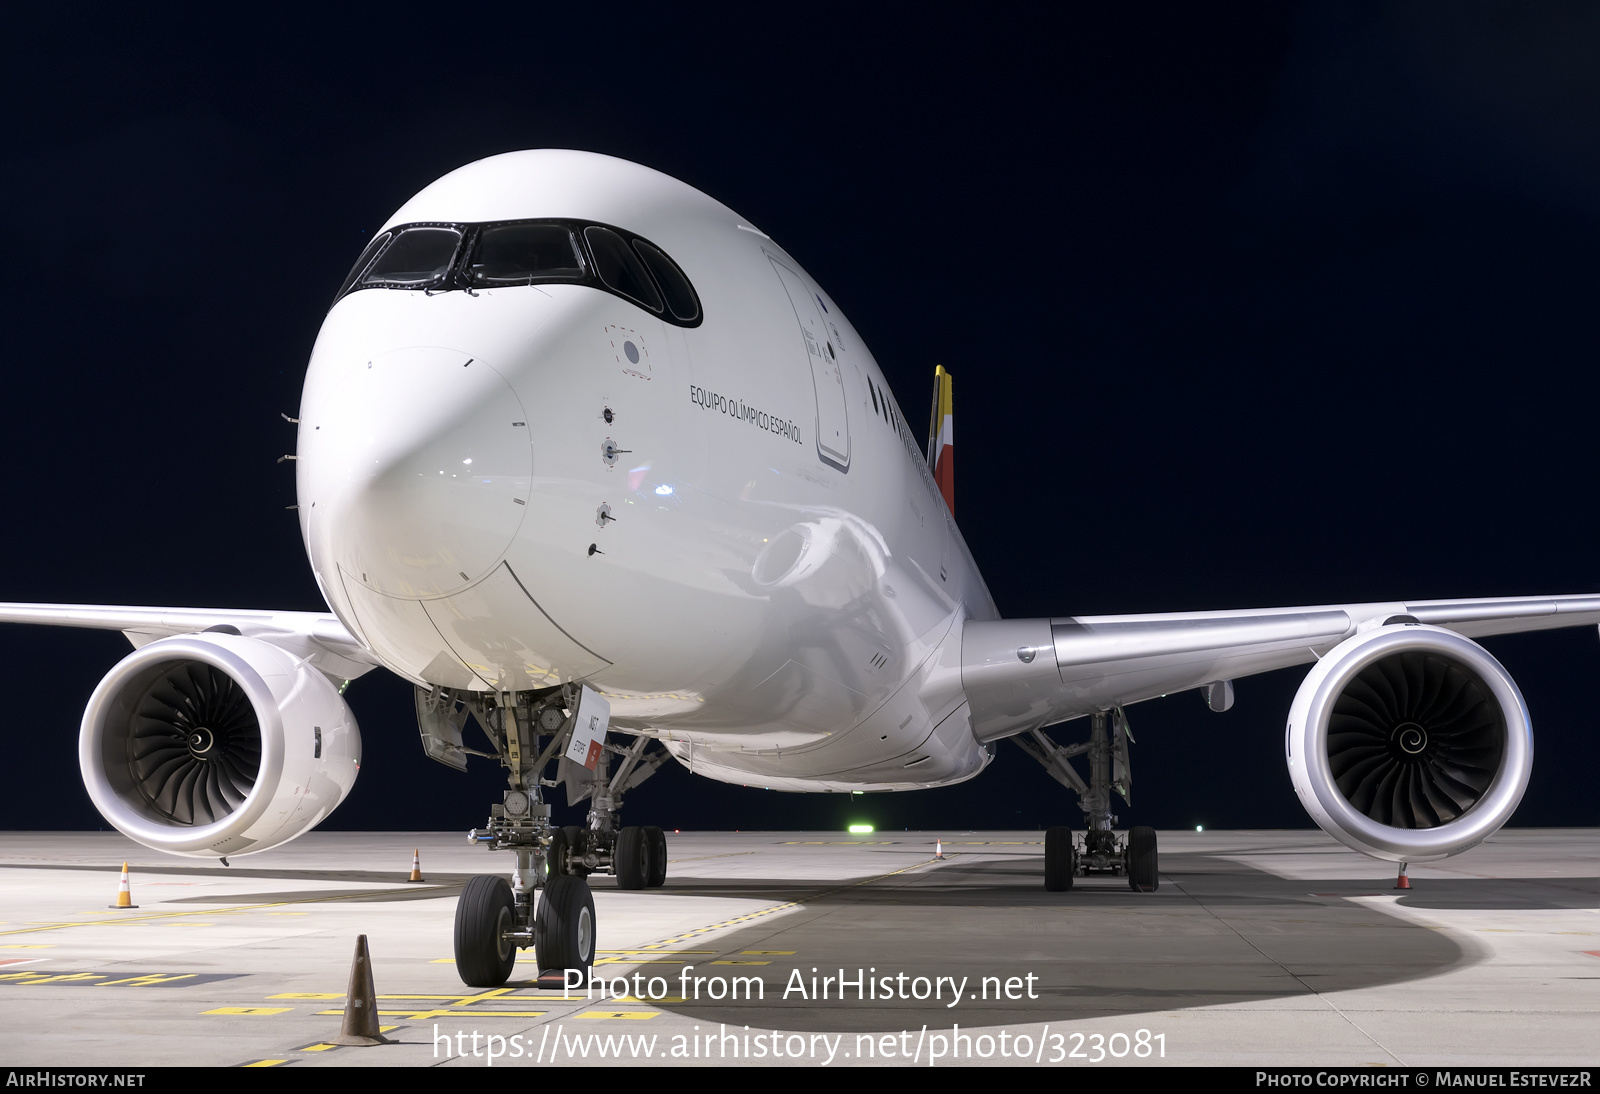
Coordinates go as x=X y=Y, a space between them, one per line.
x=316 y=637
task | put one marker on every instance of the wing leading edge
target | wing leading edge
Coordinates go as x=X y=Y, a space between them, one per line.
x=316 y=637
x=1022 y=674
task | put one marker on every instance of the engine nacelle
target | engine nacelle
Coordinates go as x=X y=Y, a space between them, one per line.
x=1409 y=743
x=216 y=744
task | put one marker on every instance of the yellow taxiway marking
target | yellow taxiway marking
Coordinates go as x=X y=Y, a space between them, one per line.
x=459 y=999
x=748 y=916
x=28 y=979
x=249 y=1010
x=618 y=1014
x=321 y=1047
x=150 y=916
x=633 y=956
x=264 y=1063
x=448 y=1012
x=617 y=957
x=147 y=979
x=454 y=1005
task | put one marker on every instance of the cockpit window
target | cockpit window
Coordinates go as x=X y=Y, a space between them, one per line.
x=520 y=254
x=675 y=287
x=416 y=258
x=620 y=269
x=363 y=262
x=505 y=254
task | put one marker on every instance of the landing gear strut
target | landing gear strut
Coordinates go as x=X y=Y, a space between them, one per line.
x=547 y=903
x=636 y=855
x=1100 y=851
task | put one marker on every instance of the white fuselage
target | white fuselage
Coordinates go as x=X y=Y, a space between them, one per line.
x=720 y=527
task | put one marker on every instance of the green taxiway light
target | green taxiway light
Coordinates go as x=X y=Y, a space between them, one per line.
x=861 y=829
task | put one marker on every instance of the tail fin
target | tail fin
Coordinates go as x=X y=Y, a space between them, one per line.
x=941 y=438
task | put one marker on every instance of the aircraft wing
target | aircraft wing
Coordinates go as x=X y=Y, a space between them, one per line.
x=317 y=637
x=1021 y=674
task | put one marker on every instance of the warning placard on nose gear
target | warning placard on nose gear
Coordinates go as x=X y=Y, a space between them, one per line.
x=589 y=730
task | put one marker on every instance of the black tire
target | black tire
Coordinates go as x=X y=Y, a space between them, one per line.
x=484 y=912
x=656 y=840
x=566 y=927
x=567 y=845
x=631 y=860
x=1144 y=873
x=1060 y=859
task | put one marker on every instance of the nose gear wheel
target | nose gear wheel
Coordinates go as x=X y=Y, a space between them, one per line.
x=485 y=917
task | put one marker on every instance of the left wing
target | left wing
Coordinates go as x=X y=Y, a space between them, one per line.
x=1022 y=674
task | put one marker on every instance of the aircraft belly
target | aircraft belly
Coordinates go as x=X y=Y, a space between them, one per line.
x=947 y=754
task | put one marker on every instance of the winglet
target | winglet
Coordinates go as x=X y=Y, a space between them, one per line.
x=941 y=438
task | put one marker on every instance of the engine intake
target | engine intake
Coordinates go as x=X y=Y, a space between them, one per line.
x=1409 y=743
x=215 y=744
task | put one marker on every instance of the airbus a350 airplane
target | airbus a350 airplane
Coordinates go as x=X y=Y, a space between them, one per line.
x=581 y=449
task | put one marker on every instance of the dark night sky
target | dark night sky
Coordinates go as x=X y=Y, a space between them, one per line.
x=1249 y=306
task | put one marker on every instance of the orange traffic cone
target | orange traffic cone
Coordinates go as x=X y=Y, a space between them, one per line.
x=124 y=893
x=938 y=847
x=1402 y=882
x=416 y=866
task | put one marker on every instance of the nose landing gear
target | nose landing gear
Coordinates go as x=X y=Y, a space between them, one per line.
x=486 y=925
x=547 y=904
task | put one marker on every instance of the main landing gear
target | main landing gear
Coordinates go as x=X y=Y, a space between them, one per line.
x=1099 y=851
x=547 y=903
x=637 y=856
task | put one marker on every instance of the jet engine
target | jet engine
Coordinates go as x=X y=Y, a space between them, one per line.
x=216 y=744
x=1409 y=743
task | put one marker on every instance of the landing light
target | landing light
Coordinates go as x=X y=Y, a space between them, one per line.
x=663 y=489
x=861 y=829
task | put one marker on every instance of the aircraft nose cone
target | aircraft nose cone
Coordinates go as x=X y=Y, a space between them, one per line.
x=419 y=469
